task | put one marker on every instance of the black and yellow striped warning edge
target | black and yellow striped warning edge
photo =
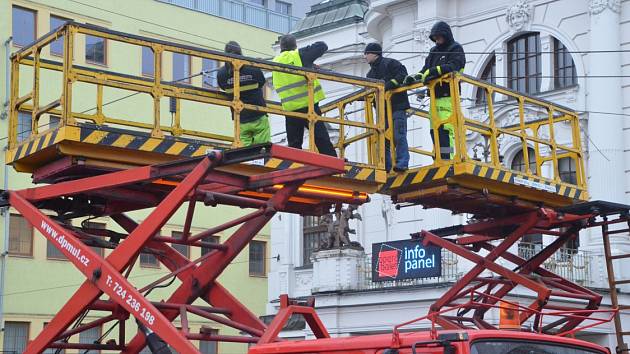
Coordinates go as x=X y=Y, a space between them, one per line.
x=418 y=176
x=36 y=144
x=429 y=174
x=111 y=137
x=358 y=173
x=141 y=141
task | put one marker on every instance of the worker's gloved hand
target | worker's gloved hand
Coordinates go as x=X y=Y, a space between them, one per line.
x=412 y=79
x=431 y=74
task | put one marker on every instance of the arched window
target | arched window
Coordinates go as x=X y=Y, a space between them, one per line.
x=518 y=162
x=524 y=63
x=564 y=71
x=488 y=74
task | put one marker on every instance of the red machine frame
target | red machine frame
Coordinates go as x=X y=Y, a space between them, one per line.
x=472 y=296
x=165 y=188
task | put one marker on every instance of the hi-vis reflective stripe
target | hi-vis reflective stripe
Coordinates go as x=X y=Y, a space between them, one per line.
x=301 y=83
x=299 y=95
x=244 y=88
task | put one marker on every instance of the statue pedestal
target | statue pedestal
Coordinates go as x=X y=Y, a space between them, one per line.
x=337 y=269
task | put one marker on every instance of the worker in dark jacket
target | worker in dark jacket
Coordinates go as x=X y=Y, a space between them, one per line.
x=393 y=73
x=293 y=92
x=446 y=56
x=254 y=125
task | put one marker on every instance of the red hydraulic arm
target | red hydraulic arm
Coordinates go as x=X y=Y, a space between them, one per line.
x=199 y=182
x=487 y=241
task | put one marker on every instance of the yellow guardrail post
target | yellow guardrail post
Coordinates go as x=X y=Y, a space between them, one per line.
x=312 y=117
x=237 y=105
x=68 y=75
x=15 y=92
x=36 y=74
x=380 y=107
x=457 y=119
x=390 y=130
x=341 y=108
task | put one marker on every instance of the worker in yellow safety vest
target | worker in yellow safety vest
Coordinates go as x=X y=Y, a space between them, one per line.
x=293 y=92
x=446 y=56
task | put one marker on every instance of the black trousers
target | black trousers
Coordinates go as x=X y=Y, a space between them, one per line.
x=445 y=142
x=295 y=133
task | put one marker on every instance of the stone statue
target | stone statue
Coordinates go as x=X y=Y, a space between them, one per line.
x=338 y=231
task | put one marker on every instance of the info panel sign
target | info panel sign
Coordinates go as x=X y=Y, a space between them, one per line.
x=405 y=259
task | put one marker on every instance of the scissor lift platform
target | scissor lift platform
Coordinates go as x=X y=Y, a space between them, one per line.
x=54 y=153
x=480 y=189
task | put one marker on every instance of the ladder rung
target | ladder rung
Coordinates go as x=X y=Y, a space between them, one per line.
x=623 y=307
x=622 y=282
x=622 y=231
x=620 y=256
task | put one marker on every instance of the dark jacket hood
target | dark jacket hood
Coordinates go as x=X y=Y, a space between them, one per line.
x=442 y=28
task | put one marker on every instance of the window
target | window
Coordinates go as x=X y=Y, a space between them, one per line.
x=211 y=66
x=209 y=347
x=257 y=257
x=53 y=122
x=566 y=168
x=209 y=239
x=15 y=337
x=565 y=74
x=56 y=47
x=24 y=126
x=522 y=346
x=183 y=249
x=314 y=233
x=20 y=236
x=524 y=64
x=95 y=50
x=262 y=3
x=149 y=260
x=518 y=162
x=489 y=74
x=24 y=26
x=181 y=68
x=90 y=336
x=530 y=245
x=148 y=63
x=53 y=252
x=283 y=8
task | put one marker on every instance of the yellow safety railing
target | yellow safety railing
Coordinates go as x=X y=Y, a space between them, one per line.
x=534 y=127
x=182 y=124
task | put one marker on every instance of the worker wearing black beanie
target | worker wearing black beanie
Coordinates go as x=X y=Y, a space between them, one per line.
x=393 y=73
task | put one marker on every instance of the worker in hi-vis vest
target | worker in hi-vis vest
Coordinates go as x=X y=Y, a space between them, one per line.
x=446 y=56
x=254 y=125
x=293 y=92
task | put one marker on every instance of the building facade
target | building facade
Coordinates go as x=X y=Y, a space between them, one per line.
x=36 y=280
x=572 y=53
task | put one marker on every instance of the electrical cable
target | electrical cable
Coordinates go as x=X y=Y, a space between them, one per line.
x=78 y=284
x=486 y=53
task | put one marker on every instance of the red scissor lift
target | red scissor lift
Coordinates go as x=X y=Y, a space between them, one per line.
x=77 y=192
x=165 y=187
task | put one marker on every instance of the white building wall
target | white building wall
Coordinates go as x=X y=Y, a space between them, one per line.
x=481 y=26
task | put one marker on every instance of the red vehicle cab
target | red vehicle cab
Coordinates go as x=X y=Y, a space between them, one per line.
x=447 y=342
